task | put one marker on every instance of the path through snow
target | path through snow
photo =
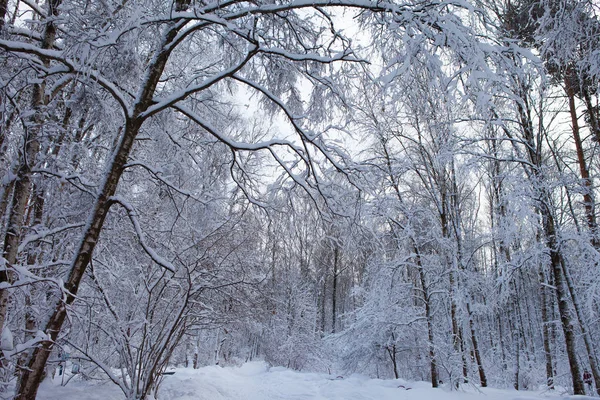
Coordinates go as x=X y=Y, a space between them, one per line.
x=255 y=381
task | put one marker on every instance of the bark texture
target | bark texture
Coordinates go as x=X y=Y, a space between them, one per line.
x=32 y=376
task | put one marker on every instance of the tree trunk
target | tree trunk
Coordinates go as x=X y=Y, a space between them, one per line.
x=22 y=185
x=429 y=320
x=517 y=363
x=32 y=376
x=551 y=240
x=422 y=278
x=5 y=197
x=322 y=303
x=482 y=377
x=592 y=114
x=32 y=257
x=22 y=189
x=457 y=339
x=392 y=352
x=562 y=296
x=3 y=9
x=546 y=333
x=589 y=345
x=502 y=344
x=588 y=199
x=334 y=288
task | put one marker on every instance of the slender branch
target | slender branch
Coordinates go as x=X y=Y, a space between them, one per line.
x=132 y=214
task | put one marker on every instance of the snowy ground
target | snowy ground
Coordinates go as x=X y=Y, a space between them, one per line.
x=255 y=381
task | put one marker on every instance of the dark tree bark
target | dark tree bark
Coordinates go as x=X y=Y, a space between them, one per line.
x=422 y=277
x=546 y=332
x=23 y=180
x=517 y=363
x=480 y=370
x=550 y=239
x=428 y=319
x=3 y=9
x=392 y=352
x=562 y=295
x=592 y=114
x=587 y=340
x=334 y=290
x=588 y=199
x=33 y=374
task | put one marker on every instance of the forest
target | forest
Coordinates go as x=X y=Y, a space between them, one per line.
x=400 y=188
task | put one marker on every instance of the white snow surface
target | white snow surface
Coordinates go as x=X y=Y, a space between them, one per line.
x=256 y=381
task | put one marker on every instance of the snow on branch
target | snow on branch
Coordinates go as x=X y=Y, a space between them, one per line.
x=38 y=236
x=233 y=144
x=122 y=383
x=132 y=214
x=158 y=175
x=305 y=135
x=266 y=145
x=71 y=67
x=35 y=7
x=161 y=104
x=344 y=56
x=77 y=180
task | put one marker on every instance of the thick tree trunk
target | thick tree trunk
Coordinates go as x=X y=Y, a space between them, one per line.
x=551 y=240
x=22 y=184
x=32 y=376
x=5 y=198
x=32 y=257
x=22 y=190
x=562 y=296
x=588 y=199
x=3 y=9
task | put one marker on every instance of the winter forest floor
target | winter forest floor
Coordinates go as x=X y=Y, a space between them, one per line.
x=256 y=381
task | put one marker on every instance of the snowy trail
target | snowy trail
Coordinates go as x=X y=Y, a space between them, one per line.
x=255 y=381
